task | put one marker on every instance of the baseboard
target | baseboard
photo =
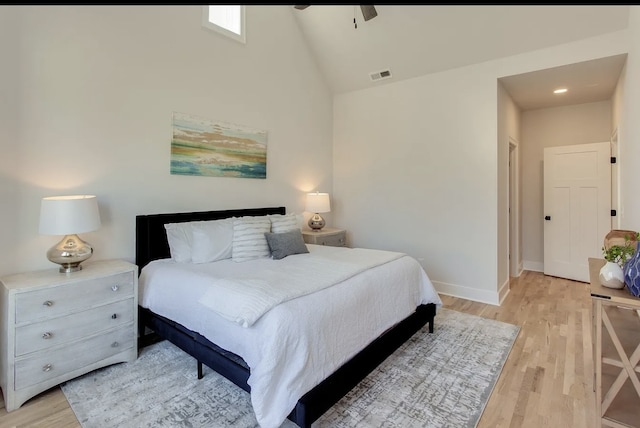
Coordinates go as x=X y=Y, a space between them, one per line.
x=503 y=292
x=534 y=266
x=468 y=293
x=518 y=271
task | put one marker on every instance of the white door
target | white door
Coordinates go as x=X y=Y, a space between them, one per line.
x=577 y=207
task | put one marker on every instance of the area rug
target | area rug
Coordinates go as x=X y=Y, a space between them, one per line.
x=443 y=379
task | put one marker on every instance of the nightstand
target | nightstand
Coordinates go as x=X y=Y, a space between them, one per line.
x=327 y=236
x=56 y=326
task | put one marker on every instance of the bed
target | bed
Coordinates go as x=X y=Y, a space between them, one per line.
x=303 y=383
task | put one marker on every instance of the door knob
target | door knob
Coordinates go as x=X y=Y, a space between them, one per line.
x=547 y=217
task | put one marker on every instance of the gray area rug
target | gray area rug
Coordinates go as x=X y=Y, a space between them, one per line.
x=442 y=379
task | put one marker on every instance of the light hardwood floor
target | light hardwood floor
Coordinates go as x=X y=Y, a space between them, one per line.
x=547 y=380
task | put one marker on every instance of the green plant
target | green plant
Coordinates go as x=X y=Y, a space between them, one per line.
x=621 y=253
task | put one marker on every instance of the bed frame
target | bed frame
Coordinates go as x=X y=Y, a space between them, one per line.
x=151 y=244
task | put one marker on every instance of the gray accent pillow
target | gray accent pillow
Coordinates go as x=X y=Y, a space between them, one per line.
x=285 y=244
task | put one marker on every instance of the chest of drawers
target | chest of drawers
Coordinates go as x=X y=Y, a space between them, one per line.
x=57 y=326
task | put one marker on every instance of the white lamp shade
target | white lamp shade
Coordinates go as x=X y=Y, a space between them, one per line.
x=68 y=215
x=318 y=203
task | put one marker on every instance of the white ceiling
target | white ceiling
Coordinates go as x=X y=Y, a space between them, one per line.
x=412 y=41
x=586 y=82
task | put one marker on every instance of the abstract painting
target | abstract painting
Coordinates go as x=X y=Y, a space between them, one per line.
x=204 y=147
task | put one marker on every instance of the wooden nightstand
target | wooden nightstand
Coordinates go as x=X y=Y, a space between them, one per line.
x=327 y=236
x=56 y=326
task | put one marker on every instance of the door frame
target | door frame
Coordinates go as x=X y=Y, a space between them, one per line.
x=615 y=180
x=515 y=264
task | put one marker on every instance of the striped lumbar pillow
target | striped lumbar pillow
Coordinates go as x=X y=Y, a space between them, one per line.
x=283 y=223
x=249 y=242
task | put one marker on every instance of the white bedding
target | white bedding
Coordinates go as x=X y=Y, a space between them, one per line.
x=291 y=348
x=245 y=296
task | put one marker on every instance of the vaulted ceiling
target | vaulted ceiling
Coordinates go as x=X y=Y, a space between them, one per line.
x=411 y=41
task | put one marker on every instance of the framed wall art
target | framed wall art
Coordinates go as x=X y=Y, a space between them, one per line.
x=204 y=147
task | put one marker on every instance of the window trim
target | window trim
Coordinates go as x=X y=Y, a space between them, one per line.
x=242 y=38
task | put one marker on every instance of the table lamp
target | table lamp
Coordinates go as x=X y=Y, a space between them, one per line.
x=68 y=216
x=317 y=203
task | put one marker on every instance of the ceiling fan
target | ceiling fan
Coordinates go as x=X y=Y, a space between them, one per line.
x=368 y=11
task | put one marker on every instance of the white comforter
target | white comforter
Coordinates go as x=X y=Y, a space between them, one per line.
x=245 y=296
x=299 y=342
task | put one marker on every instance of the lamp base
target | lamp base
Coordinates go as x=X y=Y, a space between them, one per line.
x=69 y=253
x=316 y=222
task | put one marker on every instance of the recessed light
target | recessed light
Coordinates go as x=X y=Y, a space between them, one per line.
x=560 y=91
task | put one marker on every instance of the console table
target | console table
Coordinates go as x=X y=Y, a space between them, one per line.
x=616 y=352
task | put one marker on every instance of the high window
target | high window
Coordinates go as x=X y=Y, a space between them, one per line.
x=226 y=19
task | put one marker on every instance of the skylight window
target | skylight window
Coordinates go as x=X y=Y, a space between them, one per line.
x=225 y=19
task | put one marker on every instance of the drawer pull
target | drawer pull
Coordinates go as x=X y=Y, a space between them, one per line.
x=47 y=335
x=47 y=368
x=47 y=303
x=115 y=344
x=114 y=316
x=115 y=287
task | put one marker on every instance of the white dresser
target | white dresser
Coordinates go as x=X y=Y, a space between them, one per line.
x=58 y=326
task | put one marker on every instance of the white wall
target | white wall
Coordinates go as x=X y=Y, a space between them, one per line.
x=616 y=120
x=552 y=127
x=9 y=136
x=616 y=99
x=629 y=135
x=415 y=166
x=415 y=170
x=94 y=90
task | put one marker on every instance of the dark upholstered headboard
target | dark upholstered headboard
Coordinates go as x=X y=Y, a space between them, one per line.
x=151 y=237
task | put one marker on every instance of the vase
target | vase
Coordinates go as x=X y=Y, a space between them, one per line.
x=632 y=273
x=612 y=275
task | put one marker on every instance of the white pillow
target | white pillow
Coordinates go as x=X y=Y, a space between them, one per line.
x=249 y=242
x=283 y=223
x=211 y=240
x=179 y=238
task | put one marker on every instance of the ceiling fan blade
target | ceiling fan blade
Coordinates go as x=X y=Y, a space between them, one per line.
x=369 y=12
x=301 y=6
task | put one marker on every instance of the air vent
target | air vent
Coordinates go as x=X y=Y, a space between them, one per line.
x=380 y=75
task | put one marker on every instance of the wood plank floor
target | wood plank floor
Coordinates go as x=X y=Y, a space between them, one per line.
x=547 y=380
